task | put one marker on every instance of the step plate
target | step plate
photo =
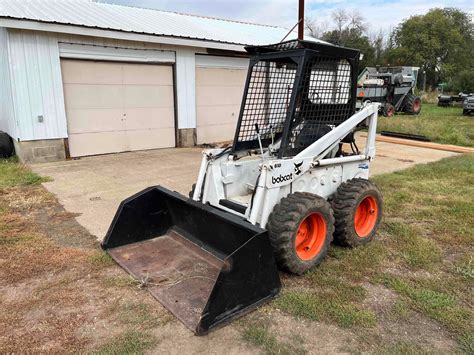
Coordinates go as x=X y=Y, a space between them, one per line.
x=178 y=273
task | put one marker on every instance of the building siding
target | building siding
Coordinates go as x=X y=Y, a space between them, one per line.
x=37 y=86
x=37 y=81
x=7 y=115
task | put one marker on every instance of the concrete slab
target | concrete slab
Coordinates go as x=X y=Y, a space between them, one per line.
x=94 y=186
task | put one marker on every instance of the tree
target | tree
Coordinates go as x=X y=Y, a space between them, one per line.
x=315 y=29
x=440 y=42
x=350 y=31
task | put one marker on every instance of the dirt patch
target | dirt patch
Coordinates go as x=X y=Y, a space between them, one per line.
x=399 y=324
x=47 y=216
x=60 y=293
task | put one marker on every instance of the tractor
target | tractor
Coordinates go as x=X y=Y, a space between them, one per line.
x=392 y=87
x=292 y=182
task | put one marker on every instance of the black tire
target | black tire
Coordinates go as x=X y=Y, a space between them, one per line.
x=298 y=210
x=6 y=146
x=388 y=110
x=412 y=104
x=352 y=195
x=191 y=193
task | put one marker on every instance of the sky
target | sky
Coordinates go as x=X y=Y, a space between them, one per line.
x=383 y=14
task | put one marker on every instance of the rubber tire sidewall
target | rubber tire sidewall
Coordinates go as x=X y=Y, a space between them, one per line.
x=283 y=233
x=359 y=241
x=309 y=264
x=348 y=237
x=7 y=148
x=410 y=100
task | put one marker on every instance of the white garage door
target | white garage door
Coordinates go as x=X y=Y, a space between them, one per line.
x=118 y=107
x=218 y=98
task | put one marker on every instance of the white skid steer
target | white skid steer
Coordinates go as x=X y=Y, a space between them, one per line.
x=277 y=197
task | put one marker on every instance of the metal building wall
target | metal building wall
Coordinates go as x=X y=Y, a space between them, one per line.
x=7 y=115
x=37 y=85
x=37 y=81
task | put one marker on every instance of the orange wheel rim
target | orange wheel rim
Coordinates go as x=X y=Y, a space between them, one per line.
x=366 y=216
x=310 y=236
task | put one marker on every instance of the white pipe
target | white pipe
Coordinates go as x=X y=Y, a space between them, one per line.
x=348 y=159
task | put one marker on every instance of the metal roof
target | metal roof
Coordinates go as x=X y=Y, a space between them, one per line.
x=90 y=14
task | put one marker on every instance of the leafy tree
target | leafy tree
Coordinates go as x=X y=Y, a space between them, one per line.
x=463 y=81
x=440 y=42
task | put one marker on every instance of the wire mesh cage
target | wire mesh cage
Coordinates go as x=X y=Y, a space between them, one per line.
x=324 y=100
x=267 y=101
x=297 y=95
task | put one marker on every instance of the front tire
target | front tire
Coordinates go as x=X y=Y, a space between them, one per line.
x=357 y=207
x=301 y=228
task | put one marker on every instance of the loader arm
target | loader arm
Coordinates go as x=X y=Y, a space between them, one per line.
x=320 y=148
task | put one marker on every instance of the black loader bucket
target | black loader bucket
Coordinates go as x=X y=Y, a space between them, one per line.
x=204 y=265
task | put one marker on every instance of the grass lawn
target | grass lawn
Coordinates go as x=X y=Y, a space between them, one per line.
x=441 y=125
x=408 y=292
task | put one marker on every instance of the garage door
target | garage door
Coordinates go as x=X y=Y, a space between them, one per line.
x=118 y=107
x=218 y=98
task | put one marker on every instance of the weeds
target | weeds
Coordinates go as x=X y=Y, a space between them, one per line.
x=13 y=174
x=101 y=259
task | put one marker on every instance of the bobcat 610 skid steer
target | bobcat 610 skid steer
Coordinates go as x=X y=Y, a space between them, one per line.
x=275 y=198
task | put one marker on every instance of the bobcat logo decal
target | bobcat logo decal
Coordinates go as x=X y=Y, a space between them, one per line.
x=297 y=168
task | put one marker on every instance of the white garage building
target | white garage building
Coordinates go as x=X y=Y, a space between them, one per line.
x=80 y=78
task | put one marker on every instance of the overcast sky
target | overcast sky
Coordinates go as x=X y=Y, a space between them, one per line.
x=378 y=14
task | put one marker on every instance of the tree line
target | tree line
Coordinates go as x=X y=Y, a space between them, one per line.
x=440 y=42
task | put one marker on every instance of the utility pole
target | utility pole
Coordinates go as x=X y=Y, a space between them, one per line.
x=301 y=20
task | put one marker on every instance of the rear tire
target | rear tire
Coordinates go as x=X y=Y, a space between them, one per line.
x=388 y=110
x=301 y=228
x=6 y=146
x=413 y=104
x=357 y=207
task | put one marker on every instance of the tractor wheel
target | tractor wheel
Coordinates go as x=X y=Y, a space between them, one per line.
x=388 y=110
x=357 y=207
x=413 y=104
x=300 y=228
x=6 y=146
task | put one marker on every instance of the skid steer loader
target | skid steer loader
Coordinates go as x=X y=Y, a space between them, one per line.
x=275 y=198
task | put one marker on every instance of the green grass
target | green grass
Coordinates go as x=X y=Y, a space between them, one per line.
x=130 y=342
x=101 y=259
x=442 y=306
x=314 y=306
x=12 y=174
x=120 y=281
x=257 y=334
x=429 y=218
x=403 y=348
x=441 y=125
